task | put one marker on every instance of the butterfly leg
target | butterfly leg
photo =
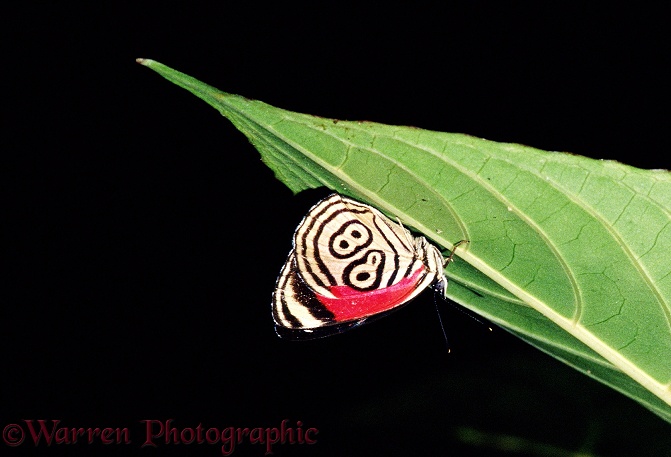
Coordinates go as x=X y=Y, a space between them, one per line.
x=448 y=259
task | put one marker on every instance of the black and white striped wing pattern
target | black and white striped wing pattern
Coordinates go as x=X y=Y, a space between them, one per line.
x=349 y=262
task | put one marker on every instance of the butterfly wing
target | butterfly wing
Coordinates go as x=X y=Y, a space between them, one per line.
x=350 y=262
x=300 y=315
x=297 y=312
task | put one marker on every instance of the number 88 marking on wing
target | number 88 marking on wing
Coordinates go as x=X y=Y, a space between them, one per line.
x=350 y=262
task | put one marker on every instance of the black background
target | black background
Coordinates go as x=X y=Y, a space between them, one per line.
x=142 y=234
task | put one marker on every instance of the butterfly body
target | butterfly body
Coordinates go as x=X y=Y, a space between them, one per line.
x=349 y=262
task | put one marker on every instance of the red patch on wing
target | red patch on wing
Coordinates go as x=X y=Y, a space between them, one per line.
x=350 y=303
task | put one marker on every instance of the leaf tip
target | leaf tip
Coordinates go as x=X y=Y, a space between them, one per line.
x=145 y=62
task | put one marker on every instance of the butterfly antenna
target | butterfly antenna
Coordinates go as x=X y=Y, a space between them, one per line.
x=470 y=314
x=441 y=290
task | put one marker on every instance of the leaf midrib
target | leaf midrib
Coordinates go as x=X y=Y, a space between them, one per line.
x=477 y=179
x=581 y=203
x=575 y=328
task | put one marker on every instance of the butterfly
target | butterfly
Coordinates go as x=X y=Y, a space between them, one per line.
x=350 y=263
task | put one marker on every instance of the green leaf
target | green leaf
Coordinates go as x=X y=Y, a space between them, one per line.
x=569 y=253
